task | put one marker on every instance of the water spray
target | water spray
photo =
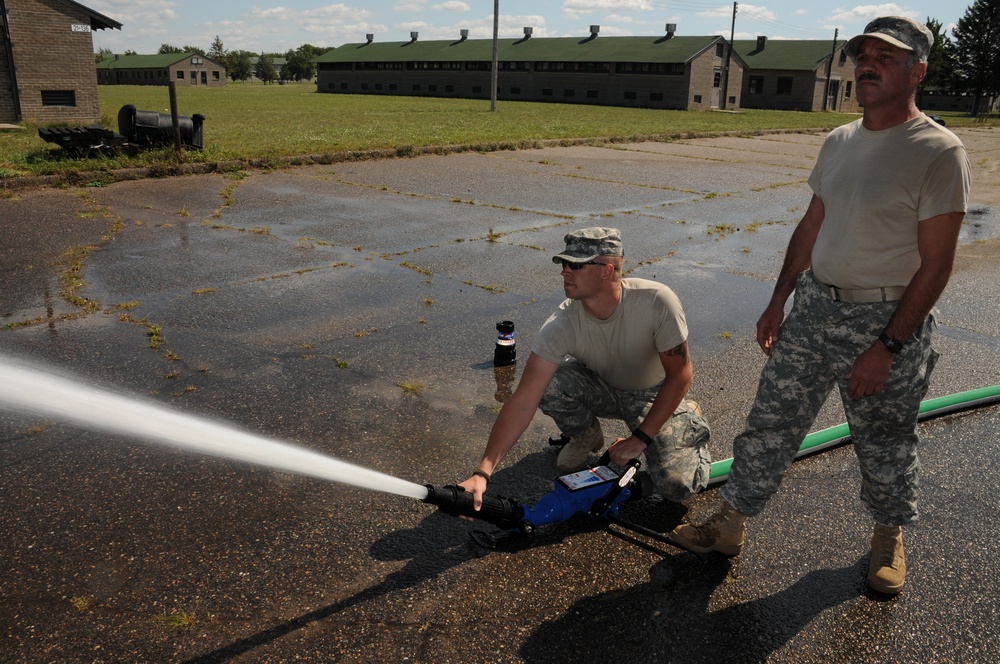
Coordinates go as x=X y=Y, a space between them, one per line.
x=29 y=390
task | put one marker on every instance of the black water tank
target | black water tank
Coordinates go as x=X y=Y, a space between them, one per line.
x=156 y=129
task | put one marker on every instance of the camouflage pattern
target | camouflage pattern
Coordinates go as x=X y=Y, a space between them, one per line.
x=587 y=244
x=898 y=31
x=818 y=343
x=678 y=461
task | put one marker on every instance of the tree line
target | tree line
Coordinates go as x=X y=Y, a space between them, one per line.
x=968 y=60
x=243 y=65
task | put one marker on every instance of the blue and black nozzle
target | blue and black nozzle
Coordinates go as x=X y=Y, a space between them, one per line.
x=597 y=491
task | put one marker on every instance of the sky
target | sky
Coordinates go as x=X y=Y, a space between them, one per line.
x=279 y=25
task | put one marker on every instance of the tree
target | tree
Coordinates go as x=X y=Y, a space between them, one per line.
x=169 y=48
x=103 y=53
x=976 y=51
x=239 y=66
x=217 y=52
x=940 y=64
x=193 y=49
x=264 y=69
x=298 y=66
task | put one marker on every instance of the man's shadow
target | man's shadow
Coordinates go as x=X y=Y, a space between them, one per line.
x=669 y=619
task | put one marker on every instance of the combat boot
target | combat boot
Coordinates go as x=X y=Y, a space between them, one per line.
x=887 y=569
x=723 y=532
x=575 y=453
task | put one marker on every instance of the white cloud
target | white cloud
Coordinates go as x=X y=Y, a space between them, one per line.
x=758 y=12
x=452 y=6
x=575 y=9
x=865 y=13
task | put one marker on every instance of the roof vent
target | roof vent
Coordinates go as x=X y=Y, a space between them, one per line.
x=671 y=29
x=413 y=36
x=464 y=33
x=594 y=29
x=527 y=32
x=370 y=37
x=761 y=43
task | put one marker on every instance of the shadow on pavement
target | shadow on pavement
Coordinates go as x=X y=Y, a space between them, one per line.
x=670 y=619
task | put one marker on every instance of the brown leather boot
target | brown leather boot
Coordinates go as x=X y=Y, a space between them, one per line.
x=575 y=454
x=887 y=569
x=723 y=532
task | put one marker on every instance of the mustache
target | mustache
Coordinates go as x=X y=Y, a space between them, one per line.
x=868 y=77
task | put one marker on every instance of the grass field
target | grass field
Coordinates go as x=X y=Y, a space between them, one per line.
x=268 y=124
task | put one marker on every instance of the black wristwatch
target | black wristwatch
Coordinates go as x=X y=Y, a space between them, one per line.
x=891 y=345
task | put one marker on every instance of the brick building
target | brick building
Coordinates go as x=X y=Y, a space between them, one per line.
x=668 y=72
x=791 y=75
x=47 y=61
x=182 y=68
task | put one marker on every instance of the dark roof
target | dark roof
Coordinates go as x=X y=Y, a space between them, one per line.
x=97 y=21
x=157 y=61
x=786 y=54
x=552 y=49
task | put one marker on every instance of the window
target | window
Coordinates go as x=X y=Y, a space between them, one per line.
x=378 y=86
x=655 y=96
x=756 y=85
x=784 y=85
x=720 y=50
x=592 y=94
x=569 y=93
x=215 y=75
x=697 y=99
x=416 y=87
x=515 y=91
x=58 y=97
x=477 y=89
x=449 y=88
x=662 y=68
x=432 y=88
x=546 y=92
x=630 y=95
x=180 y=75
x=847 y=89
x=364 y=86
x=843 y=57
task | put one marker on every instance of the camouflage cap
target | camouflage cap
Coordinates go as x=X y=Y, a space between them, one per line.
x=899 y=31
x=587 y=244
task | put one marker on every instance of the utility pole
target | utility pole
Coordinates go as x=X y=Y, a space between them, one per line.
x=729 y=58
x=493 y=69
x=829 y=69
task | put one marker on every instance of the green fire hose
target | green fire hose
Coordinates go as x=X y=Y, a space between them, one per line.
x=840 y=434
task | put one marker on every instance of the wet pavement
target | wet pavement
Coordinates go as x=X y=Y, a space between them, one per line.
x=350 y=309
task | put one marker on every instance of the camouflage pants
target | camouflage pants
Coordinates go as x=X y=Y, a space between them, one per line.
x=818 y=343
x=678 y=460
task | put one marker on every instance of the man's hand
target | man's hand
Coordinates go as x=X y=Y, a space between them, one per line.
x=624 y=450
x=476 y=485
x=869 y=371
x=768 y=327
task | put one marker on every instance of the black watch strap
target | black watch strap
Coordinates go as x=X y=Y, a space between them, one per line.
x=891 y=345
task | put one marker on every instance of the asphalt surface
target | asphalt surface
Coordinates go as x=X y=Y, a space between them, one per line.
x=350 y=309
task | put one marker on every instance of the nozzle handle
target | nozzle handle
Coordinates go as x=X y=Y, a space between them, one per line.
x=456 y=501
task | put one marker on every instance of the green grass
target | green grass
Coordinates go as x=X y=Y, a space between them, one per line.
x=266 y=125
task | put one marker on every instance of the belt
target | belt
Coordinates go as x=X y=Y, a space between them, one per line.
x=859 y=295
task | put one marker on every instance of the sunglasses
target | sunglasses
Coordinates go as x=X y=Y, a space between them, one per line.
x=577 y=266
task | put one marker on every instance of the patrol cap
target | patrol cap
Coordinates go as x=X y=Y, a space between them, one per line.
x=899 y=31
x=587 y=244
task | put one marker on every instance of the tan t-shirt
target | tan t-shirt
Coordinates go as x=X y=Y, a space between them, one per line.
x=622 y=350
x=875 y=187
